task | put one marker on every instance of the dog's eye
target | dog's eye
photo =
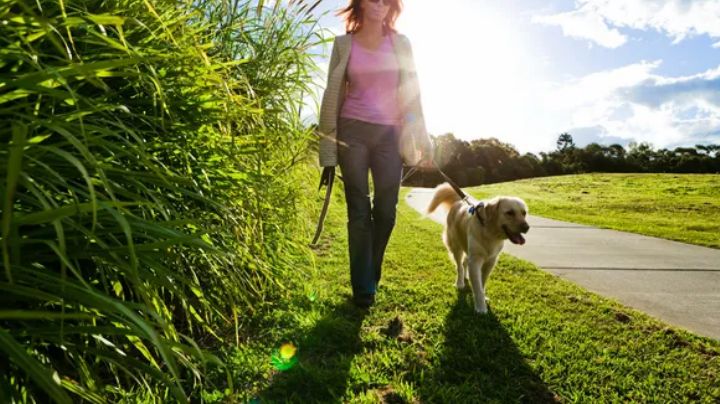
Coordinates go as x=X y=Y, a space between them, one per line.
x=510 y=213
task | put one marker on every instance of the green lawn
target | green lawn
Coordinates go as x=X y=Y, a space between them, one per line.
x=545 y=339
x=682 y=207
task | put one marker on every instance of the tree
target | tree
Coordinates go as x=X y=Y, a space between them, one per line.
x=641 y=156
x=498 y=158
x=565 y=142
x=616 y=151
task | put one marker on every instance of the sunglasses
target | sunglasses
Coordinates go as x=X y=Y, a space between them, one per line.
x=385 y=2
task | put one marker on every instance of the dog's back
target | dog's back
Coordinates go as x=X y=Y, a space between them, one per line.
x=444 y=195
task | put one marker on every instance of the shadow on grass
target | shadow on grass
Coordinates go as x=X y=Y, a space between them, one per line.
x=480 y=363
x=324 y=358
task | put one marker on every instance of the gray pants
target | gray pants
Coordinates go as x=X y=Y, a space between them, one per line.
x=370 y=147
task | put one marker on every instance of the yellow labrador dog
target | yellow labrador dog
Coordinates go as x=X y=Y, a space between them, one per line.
x=475 y=236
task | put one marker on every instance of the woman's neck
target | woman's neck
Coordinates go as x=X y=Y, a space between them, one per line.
x=371 y=29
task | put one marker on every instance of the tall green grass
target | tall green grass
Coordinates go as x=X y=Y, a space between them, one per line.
x=148 y=181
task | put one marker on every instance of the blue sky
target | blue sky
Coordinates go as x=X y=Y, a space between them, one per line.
x=523 y=71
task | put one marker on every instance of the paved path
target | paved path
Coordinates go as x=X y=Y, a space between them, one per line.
x=675 y=282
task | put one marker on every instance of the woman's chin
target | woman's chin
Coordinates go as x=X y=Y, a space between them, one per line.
x=378 y=18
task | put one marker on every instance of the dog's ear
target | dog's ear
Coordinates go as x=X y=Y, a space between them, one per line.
x=491 y=210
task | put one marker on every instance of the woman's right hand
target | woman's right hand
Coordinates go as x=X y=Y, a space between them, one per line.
x=426 y=159
x=327 y=174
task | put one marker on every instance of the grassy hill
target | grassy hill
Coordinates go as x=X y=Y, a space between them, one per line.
x=682 y=207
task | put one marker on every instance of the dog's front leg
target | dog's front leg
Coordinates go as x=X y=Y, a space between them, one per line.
x=487 y=267
x=465 y=267
x=460 y=281
x=475 y=264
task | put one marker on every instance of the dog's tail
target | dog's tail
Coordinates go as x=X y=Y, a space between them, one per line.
x=444 y=195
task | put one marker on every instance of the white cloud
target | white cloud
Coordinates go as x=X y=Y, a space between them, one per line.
x=635 y=104
x=600 y=86
x=657 y=91
x=677 y=19
x=585 y=24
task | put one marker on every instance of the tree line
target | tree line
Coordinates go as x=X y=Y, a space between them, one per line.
x=481 y=161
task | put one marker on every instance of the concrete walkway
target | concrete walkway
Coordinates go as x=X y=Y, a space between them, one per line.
x=674 y=282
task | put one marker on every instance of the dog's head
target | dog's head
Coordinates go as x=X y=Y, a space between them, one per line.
x=507 y=216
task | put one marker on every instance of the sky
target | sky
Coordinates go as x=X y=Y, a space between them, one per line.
x=524 y=71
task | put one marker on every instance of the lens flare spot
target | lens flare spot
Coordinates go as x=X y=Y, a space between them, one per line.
x=287 y=351
x=284 y=358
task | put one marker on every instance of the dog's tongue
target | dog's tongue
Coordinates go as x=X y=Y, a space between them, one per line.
x=517 y=239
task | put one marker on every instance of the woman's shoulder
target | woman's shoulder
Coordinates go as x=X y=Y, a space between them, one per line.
x=342 y=37
x=402 y=38
x=342 y=41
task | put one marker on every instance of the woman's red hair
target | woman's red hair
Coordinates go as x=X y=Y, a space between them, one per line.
x=353 y=16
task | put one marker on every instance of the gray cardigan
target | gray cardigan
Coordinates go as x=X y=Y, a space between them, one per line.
x=413 y=139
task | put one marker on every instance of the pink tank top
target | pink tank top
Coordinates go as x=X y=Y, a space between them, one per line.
x=373 y=78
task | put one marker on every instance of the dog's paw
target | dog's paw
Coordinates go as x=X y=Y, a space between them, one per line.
x=460 y=285
x=481 y=309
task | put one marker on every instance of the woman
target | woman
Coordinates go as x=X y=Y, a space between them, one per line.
x=371 y=120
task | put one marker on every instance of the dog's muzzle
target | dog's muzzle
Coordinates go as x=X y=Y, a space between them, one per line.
x=525 y=228
x=516 y=238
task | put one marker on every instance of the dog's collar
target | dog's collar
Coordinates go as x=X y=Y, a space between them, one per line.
x=473 y=209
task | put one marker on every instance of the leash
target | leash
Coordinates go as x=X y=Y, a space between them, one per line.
x=409 y=174
x=463 y=196
x=327 y=178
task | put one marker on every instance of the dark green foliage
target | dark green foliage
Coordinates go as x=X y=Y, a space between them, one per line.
x=148 y=158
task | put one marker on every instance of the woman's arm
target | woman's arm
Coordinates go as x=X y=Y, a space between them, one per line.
x=328 y=146
x=414 y=111
x=334 y=59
